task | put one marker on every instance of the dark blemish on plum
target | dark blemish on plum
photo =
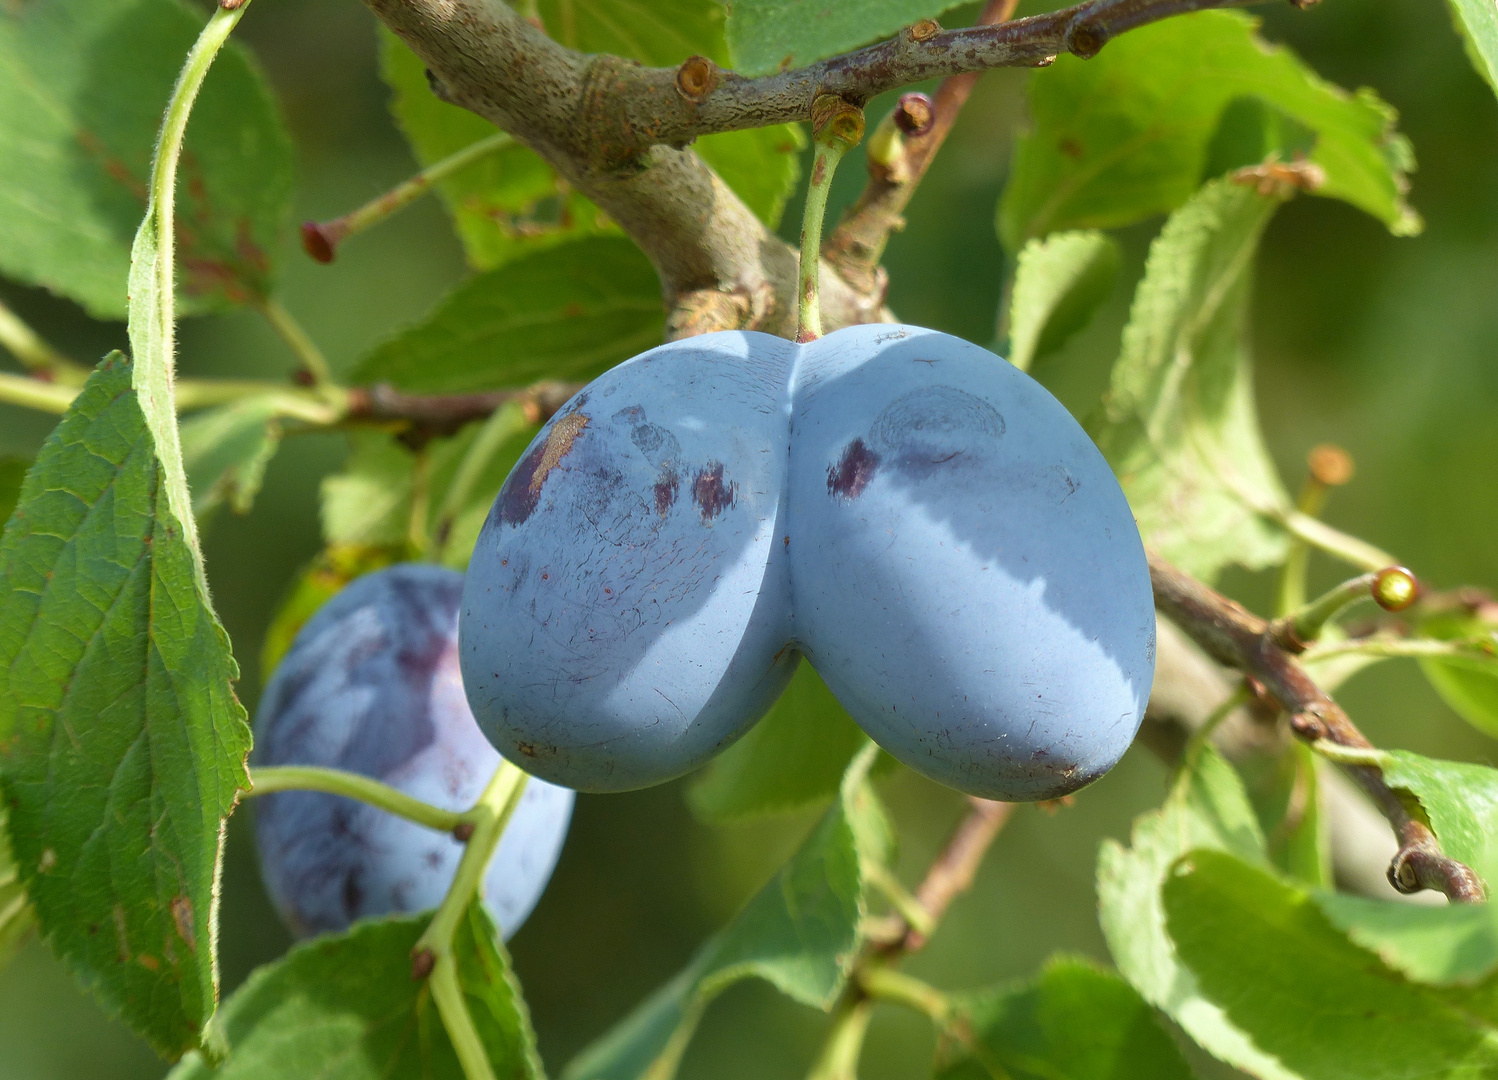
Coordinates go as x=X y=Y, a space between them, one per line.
x=711 y=492
x=665 y=490
x=526 y=748
x=522 y=491
x=353 y=893
x=852 y=473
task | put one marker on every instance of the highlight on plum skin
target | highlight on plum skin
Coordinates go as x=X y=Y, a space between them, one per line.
x=371 y=685
x=920 y=520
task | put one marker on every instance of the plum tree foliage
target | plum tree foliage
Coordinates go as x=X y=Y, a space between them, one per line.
x=988 y=592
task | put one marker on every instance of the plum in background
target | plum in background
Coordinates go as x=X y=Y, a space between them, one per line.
x=924 y=522
x=371 y=685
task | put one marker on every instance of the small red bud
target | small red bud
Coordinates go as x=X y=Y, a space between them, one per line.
x=422 y=963
x=317 y=242
x=302 y=377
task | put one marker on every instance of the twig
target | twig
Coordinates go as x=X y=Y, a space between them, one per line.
x=619 y=132
x=320 y=239
x=1240 y=639
x=443 y=414
x=951 y=873
x=857 y=244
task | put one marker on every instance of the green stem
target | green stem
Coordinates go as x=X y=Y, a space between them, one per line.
x=299 y=342
x=269 y=779
x=910 y=909
x=1306 y=624
x=321 y=239
x=1318 y=534
x=447 y=992
x=887 y=984
x=1292 y=590
x=164 y=167
x=35 y=354
x=824 y=164
x=1349 y=755
x=32 y=393
x=505 y=422
x=489 y=817
x=844 y=1045
x=190 y=394
x=293 y=404
x=1397 y=647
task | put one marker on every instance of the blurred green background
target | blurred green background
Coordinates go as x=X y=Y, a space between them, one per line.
x=1386 y=346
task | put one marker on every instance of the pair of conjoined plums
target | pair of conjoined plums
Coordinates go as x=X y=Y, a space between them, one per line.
x=922 y=522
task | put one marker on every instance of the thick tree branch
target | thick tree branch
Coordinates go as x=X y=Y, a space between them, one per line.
x=1242 y=640
x=619 y=131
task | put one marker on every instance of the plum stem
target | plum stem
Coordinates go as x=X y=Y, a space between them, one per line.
x=489 y=816
x=269 y=779
x=844 y=1044
x=837 y=127
x=320 y=239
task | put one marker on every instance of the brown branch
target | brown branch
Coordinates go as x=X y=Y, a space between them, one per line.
x=951 y=873
x=425 y=416
x=619 y=132
x=856 y=247
x=1238 y=638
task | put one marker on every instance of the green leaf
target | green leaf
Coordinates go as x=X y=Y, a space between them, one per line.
x=122 y=745
x=1461 y=801
x=226 y=450
x=1207 y=808
x=344 y=1007
x=16 y=915
x=1324 y=1008
x=1477 y=23
x=1457 y=943
x=1468 y=684
x=768 y=35
x=1179 y=424
x=491 y=199
x=794 y=757
x=569 y=312
x=12 y=473
x=1074 y=1021
x=800 y=933
x=82 y=87
x=1058 y=283
x=368 y=503
x=1125 y=135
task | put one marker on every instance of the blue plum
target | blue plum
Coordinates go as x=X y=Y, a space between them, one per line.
x=371 y=685
x=628 y=605
x=922 y=521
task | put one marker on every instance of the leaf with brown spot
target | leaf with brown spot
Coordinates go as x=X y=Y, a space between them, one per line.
x=83 y=84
